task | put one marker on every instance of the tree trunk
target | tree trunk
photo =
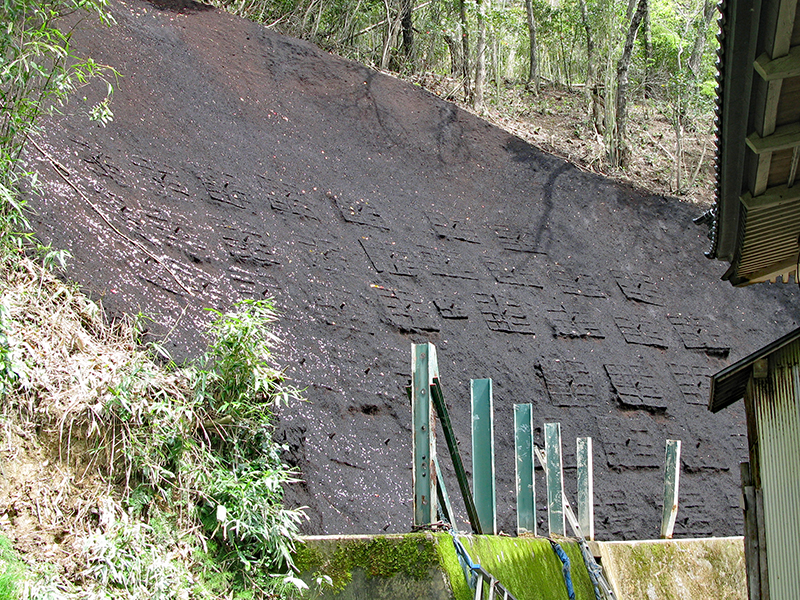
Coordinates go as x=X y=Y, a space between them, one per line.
x=480 y=57
x=391 y=31
x=620 y=149
x=456 y=62
x=594 y=102
x=465 y=72
x=696 y=59
x=407 y=25
x=648 y=53
x=533 y=62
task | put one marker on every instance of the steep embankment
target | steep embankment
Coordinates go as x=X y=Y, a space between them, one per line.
x=244 y=164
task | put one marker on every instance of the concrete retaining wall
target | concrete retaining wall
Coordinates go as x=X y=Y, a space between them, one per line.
x=425 y=565
x=696 y=569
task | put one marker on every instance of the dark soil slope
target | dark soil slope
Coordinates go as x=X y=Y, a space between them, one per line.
x=245 y=164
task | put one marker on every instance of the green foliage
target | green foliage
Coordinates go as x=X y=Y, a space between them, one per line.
x=132 y=559
x=12 y=368
x=11 y=571
x=38 y=66
x=244 y=487
x=199 y=443
x=38 y=71
x=238 y=378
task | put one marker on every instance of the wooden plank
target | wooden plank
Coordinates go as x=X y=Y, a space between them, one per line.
x=779 y=68
x=423 y=369
x=784 y=27
x=455 y=454
x=751 y=552
x=483 y=473
x=555 y=479
x=784 y=138
x=523 y=450
x=585 y=487
x=672 y=473
x=774 y=197
x=763 y=167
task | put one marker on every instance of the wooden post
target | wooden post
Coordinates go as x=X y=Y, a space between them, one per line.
x=424 y=369
x=555 y=479
x=585 y=487
x=763 y=566
x=672 y=474
x=483 y=476
x=751 y=546
x=523 y=449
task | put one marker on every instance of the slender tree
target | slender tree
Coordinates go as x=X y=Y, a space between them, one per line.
x=620 y=149
x=695 y=60
x=591 y=90
x=533 y=62
x=465 y=73
x=407 y=25
x=480 y=56
x=648 y=53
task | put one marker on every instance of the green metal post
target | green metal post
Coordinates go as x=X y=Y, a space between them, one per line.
x=445 y=508
x=585 y=487
x=455 y=455
x=672 y=473
x=555 y=480
x=424 y=369
x=483 y=476
x=526 y=488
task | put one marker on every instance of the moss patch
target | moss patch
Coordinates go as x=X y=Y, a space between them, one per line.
x=677 y=570
x=411 y=555
x=529 y=568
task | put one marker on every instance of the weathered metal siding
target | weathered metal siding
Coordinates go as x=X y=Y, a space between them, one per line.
x=775 y=402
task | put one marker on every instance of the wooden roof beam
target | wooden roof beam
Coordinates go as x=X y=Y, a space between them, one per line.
x=779 y=68
x=783 y=138
x=784 y=269
x=779 y=41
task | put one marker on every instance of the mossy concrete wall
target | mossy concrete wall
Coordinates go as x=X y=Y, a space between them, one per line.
x=425 y=565
x=699 y=569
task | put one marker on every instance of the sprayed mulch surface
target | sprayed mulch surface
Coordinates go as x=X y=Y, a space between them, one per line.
x=245 y=164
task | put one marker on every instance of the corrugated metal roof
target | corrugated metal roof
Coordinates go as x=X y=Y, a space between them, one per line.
x=728 y=386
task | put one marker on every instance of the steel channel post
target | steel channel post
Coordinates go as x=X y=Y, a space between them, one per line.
x=424 y=369
x=672 y=473
x=483 y=471
x=585 y=487
x=555 y=479
x=523 y=449
x=455 y=455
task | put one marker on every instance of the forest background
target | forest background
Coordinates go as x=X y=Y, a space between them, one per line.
x=625 y=88
x=182 y=504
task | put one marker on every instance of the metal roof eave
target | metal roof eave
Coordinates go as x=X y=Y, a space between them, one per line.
x=728 y=386
x=739 y=28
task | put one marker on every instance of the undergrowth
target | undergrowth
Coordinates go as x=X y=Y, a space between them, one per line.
x=149 y=480
x=193 y=480
x=10 y=571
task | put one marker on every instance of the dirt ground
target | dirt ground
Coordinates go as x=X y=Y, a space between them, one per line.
x=244 y=164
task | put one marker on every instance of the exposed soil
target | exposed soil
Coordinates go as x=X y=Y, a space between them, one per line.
x=245 y=164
